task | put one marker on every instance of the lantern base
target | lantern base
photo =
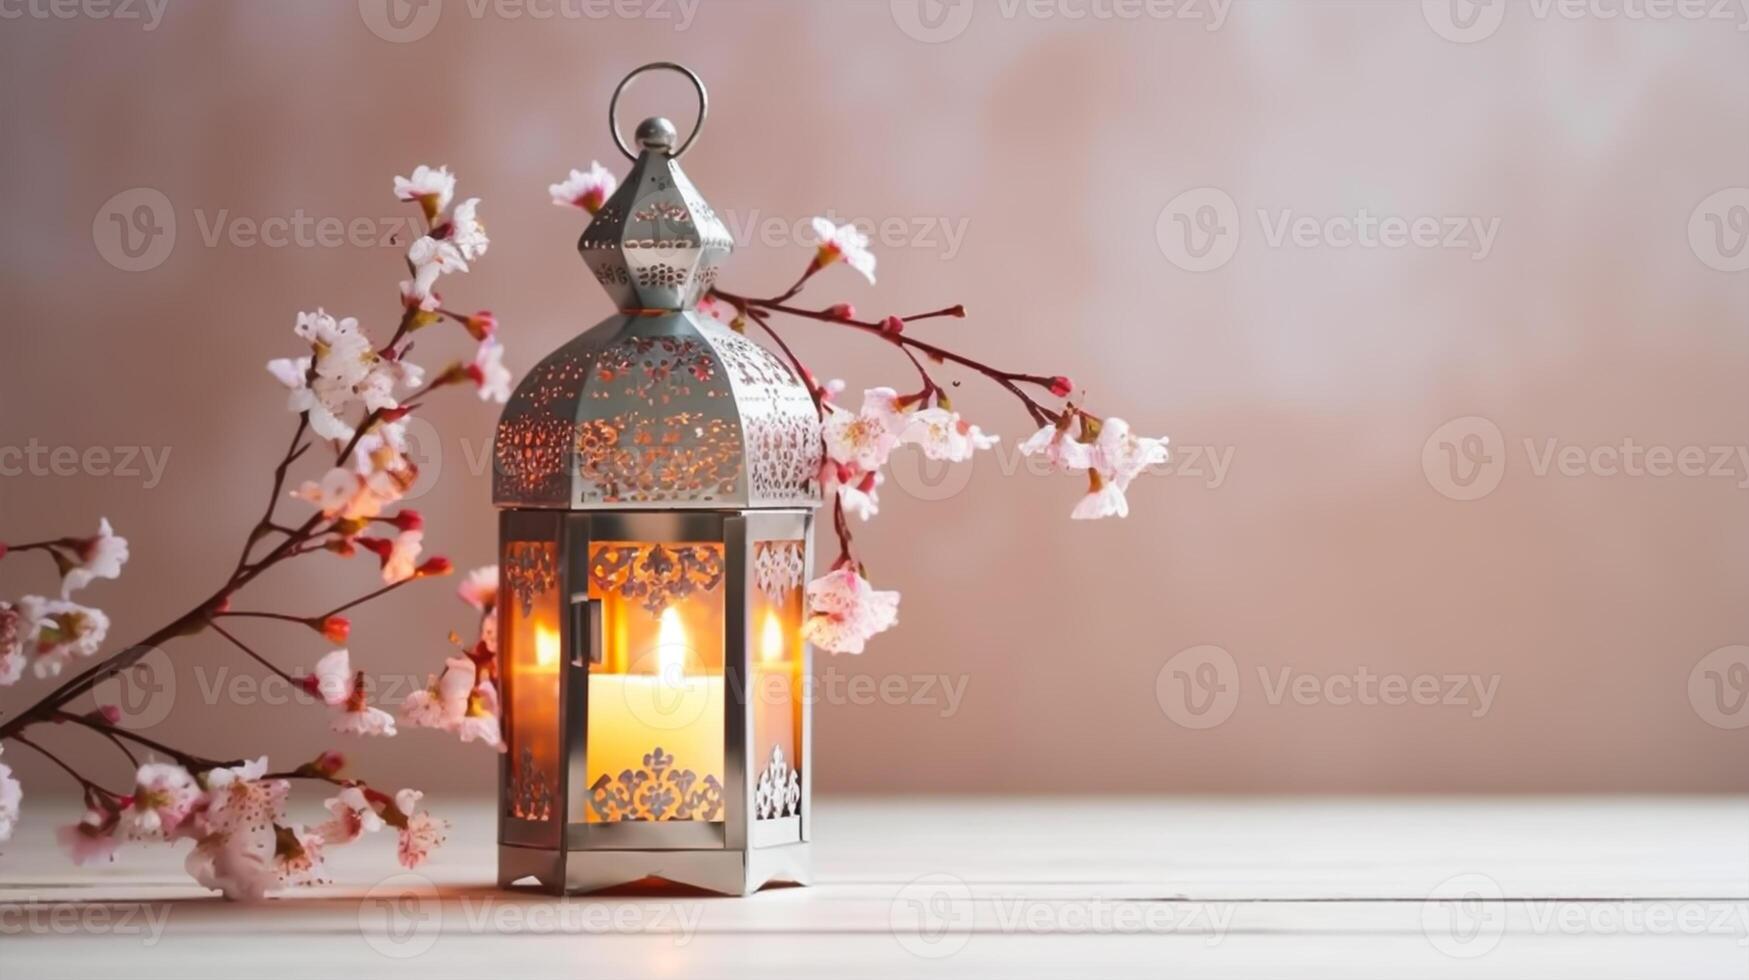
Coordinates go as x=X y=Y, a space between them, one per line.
x=585 y=871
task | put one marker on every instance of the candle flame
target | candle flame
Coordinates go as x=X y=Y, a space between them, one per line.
x=546 y=647
x=771 y=639
x=670 y=644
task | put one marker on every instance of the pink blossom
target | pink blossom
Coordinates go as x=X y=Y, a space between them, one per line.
x=58 y=631
x=354 y=816
x=1060 y=449
x=13 y=631
x=343 y=690
x=845 y=611
x=164 y=796
x=489 y=373
x=588 y=190
x=444 y=703
x=943 y=435
x=479 y=587
x=420 y=832
x=1118 y=456
x=864 y=439
x=90 y=841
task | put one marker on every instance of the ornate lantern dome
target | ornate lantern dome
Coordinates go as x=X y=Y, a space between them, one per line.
x=658 y=405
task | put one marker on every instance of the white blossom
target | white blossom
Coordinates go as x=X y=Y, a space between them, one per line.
x=466 y=231
x=433 y=189
x=100 y=556
x=11 y=799
x=59 y=631
x=845 y=242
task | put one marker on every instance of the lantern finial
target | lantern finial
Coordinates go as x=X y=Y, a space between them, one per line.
x=656 y=245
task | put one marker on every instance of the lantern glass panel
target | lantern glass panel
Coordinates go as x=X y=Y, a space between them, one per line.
x=656 y=693
x=776 y=667
x=533 y=658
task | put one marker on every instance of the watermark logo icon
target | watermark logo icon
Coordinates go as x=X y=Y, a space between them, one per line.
x=1463 y=916
x=932 y=916
x=1718 y=687
x=400 y=916
x=1199 y=687
x=144 y=692
x=1465 y=459
x=932 y=21
x=1199 y=229
x=1718 y=230
x=1464 y=21
x=135 y=230
x=400 y=21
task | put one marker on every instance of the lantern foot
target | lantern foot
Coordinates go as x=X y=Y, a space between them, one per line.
x=722 y=872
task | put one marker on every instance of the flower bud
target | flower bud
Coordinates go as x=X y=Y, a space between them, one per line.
x=1061 y=386
x=434 y=567
x=329 y=763
x=893 y=325
x=109 y=713
x=408 y=520
x=335 y=629
x=842 y=311
x=481 y=325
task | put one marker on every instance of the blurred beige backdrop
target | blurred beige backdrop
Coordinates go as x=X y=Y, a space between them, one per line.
x=1531 y=220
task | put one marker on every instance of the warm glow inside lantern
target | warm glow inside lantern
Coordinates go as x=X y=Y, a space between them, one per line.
x=658 y=478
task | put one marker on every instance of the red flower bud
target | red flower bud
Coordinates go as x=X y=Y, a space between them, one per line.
x=396 y=414
x=311 y=685
x=475 y=374
x=842 y=311
x=408 y=520
x=1061 y=386
x=2 y=551
x=380 y=547
x=481 y=325
x=330 y=763
x=435 y=566
x=335 y=628
x=893 y=324
x=109 y=713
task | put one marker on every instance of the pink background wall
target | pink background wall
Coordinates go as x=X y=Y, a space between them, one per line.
x=1036 y=163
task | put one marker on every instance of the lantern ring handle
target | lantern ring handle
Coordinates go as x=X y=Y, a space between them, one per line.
x=625 y=83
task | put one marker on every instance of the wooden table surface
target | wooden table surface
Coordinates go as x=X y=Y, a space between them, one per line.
x=1180 y=888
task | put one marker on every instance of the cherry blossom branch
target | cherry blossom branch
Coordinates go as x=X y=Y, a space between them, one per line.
x=87 y=785
x=1009 y=380
x=258 y=658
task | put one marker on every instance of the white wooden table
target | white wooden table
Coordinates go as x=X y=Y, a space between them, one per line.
x=1594 y=888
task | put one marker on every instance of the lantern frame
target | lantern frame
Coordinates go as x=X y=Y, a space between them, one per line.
x=735 y=855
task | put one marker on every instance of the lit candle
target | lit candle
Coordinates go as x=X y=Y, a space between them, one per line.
x=775 y=680
x=631 y=715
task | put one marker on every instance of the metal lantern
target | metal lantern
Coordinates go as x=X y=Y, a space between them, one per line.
x=658 y=477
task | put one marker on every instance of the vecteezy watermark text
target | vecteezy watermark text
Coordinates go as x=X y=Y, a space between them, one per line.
x=147 y=13
x=1200 y=230
x=1200 y=687
x=146 y=463
x=406 y=21
x=1467 y=458
x=939 y=21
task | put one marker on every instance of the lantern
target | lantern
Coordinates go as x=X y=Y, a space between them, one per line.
x=658 y=477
